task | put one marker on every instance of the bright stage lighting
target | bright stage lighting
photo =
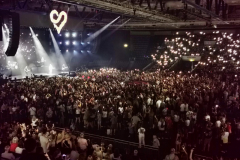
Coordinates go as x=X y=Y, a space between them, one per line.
x=125 y=45
x=74 y=34
x=74 y=42
x=67 y=50
x=67 y=34
x=88 y=42
x=60 y=42
x=36 y=35
x=67 y=42
x=82 y=51
x=88 y=34
x=82 y=43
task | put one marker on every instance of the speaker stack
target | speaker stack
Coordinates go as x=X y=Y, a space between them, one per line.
x=13 y=24
x=1 y=23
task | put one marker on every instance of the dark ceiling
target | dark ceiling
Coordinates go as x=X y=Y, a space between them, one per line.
x=140 y=14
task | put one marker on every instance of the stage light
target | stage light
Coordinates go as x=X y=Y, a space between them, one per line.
x=67 y=34
x=67 y=42
x=67 y=50
x=88 y=42
x=125 y=45
x=88 y=34
x=60 y=42
x=36 y=35
x=74 y=34
x=30 y=34
x=82 y=51
x=82 y=43
x=60 y=35
x=74 y=42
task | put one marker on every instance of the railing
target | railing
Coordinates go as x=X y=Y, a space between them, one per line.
x=201 y=157
x=146 y=152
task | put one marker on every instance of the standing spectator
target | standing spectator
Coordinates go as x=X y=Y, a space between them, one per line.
x=141 y=136
x=156 y=143
x=32 y=111
x=14 y=144
x=7 y=155
x=172 y=155
x=49 y=114
x=44 y=140
x=30 y=154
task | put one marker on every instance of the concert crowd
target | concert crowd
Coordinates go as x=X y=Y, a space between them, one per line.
x=196 y=112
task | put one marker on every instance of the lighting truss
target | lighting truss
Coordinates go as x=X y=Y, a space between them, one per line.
x=124 y=9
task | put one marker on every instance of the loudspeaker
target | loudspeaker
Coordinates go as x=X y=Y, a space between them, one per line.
x=14 y=33
x=1 y=25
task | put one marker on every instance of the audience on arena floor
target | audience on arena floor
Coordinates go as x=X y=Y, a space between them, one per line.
x=191 y=109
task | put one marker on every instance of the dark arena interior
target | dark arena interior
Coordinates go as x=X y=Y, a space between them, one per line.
x=119 y=80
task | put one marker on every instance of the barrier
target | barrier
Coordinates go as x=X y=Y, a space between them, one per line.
x=146 y=152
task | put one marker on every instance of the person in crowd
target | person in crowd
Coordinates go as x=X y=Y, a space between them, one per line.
x=7 y=155
x=156 y=143
x=82 y=144
x=141 y=136
x=44 y=141
x=14 y=144
x=30 y=154
x=172 y=155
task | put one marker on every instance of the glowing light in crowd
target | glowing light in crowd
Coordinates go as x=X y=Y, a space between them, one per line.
x=196 y=45
x=59 y=17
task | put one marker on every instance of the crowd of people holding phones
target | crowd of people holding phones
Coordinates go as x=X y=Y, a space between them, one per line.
x=192 y=110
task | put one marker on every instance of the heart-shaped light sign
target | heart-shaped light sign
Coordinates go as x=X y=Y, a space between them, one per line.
x=59 y=17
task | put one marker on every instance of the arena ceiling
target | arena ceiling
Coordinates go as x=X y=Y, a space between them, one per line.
x=140 y=14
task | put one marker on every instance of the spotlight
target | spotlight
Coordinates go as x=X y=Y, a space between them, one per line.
x=74 y=34
x=82 y=43
x=67 y=42
x=30 y=34
x=125 y=45
x=36 y=35
x=74 y=43
x=82 y=51
x=60 y=42
x=88 y=34
x=60 y=35
x=88 y=42
x=67 y=34
x=67 y=50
